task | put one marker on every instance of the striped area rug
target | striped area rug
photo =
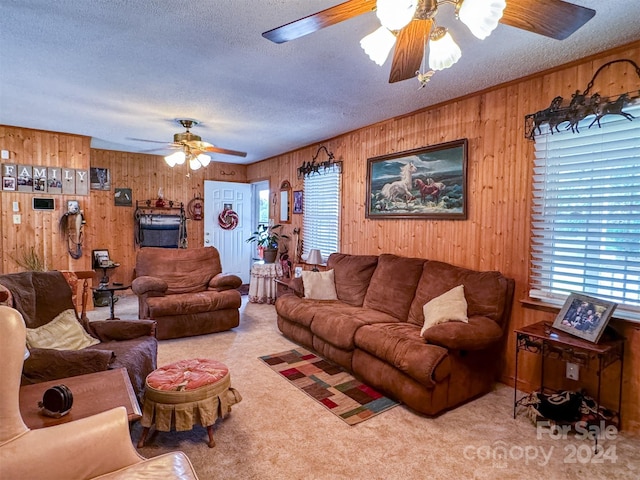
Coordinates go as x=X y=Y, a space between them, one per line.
x=329 y=384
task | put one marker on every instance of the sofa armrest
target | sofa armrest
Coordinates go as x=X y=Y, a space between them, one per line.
x=150 y=286
x=478 y=334
x=46 y=364
x=53 y=452
x=224 y=281
x=107 y=330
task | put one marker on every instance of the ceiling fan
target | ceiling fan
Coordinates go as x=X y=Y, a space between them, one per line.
x=191 y=147
x=552 y=18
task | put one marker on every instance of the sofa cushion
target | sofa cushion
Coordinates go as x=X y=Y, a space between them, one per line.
x=393 y=285
x=477 y=334
x=190 y=303
x=352 y=276
x=338 y=323
x=485 y=292
x=319 y=285
x=450 y=306
x=62 y=333
x=401 y=345
x=184 y=270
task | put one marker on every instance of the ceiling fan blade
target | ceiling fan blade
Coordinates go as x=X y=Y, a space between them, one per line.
x=224 y=151
x=551 y=18
x=409 y=50
x=144 y=140
x=325 y=18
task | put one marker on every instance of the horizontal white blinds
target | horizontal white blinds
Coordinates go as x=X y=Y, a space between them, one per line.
x=321 y=222
x=586 y=213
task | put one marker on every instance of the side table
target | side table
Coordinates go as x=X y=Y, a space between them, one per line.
x=542 y=339
x=111 y=288
x=262 y=286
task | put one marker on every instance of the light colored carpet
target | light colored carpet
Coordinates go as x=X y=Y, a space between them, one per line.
x=278 y=432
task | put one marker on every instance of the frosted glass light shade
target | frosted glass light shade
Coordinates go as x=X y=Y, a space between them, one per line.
x=395 y=14
x=378 y=44
x=481 y=16
x=443 y=51
x=174 y=159
x=204 y=159
x=194 y=163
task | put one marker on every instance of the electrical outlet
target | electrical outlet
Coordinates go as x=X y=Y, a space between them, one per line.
x=17 y=219
x=573 y=371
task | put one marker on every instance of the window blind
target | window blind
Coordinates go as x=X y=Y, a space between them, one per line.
x=586 y=213
x=321 y=222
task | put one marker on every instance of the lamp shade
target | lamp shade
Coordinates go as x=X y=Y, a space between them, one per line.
x=176 y=158
x=481 y=16
x=204 y=159
x=395 y=14
x=378 y=44
x=443 y=51
x=194 y=163
x=315 y=257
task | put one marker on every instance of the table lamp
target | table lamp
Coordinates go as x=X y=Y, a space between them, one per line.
x=315 y=259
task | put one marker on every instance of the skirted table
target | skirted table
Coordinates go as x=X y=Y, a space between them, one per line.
x=262 y=287
x=186 y=393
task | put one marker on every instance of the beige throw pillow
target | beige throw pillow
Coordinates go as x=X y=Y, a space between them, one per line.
x=447 y=307
x=62 y=333
x=319 y=285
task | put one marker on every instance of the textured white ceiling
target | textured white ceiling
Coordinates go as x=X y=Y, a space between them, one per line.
x=121 y=69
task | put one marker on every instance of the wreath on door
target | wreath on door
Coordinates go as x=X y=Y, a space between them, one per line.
x=228 y=219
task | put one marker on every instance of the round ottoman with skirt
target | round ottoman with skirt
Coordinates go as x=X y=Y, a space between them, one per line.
x=187 y=393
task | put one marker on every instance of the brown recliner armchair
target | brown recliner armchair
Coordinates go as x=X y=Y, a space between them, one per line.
x=96 y=446
x=41 y=296
x=185 y=291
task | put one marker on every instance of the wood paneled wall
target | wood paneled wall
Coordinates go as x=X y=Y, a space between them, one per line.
x=496 y=234
x=108 y=227
x=494 y=237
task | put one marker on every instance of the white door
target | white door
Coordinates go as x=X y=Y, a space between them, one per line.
x=235 y=252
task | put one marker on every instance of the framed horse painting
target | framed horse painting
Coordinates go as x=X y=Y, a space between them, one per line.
x=428 y=182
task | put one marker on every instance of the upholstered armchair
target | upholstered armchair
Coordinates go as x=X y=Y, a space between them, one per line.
x=185 y=291
x=97 y=446
x=44 y=299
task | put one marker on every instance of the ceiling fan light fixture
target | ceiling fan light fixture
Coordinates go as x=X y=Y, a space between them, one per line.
x=395 y=14
x=443 y=51
x=204 y=159
x=378 y=44
x=174 y=159
x=481 y=16
x=194 y=163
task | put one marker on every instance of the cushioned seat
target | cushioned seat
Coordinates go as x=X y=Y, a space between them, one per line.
x=185 y=291
x=185 y=393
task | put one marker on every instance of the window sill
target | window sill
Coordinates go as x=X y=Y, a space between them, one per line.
x=537 y=304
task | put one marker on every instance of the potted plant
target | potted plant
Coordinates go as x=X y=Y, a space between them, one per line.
x=268 y=239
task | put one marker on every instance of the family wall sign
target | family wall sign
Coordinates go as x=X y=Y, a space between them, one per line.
x=33 y=179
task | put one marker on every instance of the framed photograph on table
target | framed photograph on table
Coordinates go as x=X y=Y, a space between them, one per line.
x=584 y=316
x=425 y=183
x=101 y=258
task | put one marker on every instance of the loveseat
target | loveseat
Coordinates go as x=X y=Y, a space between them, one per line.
x=44 y=299
x=373 y=327
x=185 y=291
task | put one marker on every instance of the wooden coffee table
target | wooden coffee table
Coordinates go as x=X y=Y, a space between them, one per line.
x=92 y=393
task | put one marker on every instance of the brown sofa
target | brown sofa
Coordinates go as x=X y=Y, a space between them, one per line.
x=373 y=328
x=41 y=296
x=185 y=291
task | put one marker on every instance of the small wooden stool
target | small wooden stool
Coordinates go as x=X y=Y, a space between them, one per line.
x=186 y=393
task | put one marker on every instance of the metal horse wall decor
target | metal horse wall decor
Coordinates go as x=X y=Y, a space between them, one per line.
x=568 y=116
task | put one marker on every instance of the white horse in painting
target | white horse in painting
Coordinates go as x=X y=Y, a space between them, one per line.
x=400 y=189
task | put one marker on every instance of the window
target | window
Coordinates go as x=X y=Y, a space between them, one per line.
x=321 y=222
x=585 y=234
